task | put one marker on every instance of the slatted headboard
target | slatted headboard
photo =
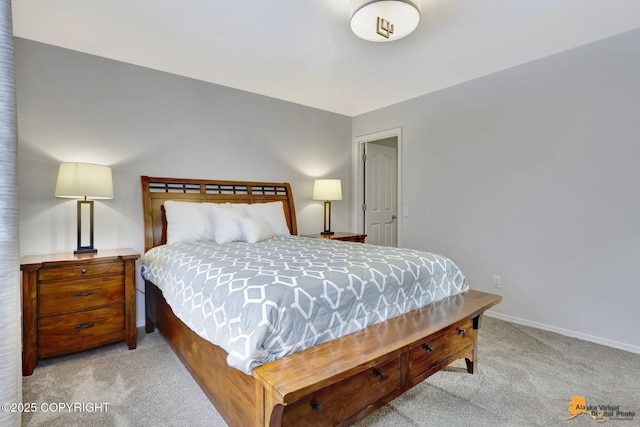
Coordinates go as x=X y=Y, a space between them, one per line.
x=155 y=191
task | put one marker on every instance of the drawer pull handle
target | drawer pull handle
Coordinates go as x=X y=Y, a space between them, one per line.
x=84 y=294
x=85 y=325
x=427 y=347
x=462 y=331
x=378 y=373
x=317 y=406
x=84 y=270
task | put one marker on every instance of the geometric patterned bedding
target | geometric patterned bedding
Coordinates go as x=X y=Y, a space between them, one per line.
x=266 y=300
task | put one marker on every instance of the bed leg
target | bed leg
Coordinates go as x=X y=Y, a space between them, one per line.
x=270 y=415
x=149 y=305
x=149 y=326
x=472 y=363
x=469 y=365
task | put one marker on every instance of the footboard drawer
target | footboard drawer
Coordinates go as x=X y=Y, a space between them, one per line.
x=433 y=350
x=336 y=403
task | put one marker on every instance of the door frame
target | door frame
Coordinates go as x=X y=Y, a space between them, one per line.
x=359 y=143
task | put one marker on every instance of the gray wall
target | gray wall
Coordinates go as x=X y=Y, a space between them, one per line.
x=532 y=174
x=529 y=173
x=77 y=107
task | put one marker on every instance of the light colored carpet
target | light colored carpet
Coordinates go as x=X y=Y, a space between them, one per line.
x=527 y=377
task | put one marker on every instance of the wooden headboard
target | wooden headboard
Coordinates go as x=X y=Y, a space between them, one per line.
x=155 y=191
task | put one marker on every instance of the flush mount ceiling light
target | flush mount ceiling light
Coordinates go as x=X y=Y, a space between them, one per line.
x=385 y=20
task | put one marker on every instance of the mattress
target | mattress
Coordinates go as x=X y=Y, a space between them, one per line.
x=263 y=301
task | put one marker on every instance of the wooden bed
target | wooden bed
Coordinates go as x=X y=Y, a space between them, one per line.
x=335 y=383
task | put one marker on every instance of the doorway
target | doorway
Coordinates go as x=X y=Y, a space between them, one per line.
x=378 y=187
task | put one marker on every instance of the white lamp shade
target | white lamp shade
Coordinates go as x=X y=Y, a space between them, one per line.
x=79 y=180
x=327 y=189
x=404 y=15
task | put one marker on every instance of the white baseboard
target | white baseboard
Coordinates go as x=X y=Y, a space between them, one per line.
x=565 y=332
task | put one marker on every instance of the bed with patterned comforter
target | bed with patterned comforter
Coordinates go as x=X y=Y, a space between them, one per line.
x=266 y=300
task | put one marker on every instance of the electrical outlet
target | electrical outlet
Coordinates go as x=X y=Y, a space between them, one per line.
x=405 y=211
x=497 y=283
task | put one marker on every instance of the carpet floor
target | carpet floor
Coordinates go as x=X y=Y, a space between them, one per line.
x=527 y=377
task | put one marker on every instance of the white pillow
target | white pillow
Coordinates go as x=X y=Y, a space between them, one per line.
x=255 y=230
x=225 y=220
x=188 y=222
x=273 y=212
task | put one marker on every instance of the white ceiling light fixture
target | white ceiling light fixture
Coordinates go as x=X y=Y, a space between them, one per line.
x=385 y=20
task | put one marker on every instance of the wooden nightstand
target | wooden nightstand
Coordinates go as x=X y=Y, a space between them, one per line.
x=340 y=235
x=76 y=302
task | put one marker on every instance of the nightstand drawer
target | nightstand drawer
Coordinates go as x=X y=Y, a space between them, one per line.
x=80 y=331
x=82 y=271
x=68 y=297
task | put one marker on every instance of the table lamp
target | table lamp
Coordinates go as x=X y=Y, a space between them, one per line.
x=84 y=181
x=327 y=190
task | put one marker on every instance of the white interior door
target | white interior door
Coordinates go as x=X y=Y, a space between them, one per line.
x=380 y=192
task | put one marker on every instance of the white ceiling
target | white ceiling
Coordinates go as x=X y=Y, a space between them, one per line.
x=303 y=51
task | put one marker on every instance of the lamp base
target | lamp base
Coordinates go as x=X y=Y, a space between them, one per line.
x=327 y=219
x=85 y=251
x=83 y=247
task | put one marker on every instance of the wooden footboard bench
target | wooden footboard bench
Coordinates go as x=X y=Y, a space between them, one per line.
x=338 y=382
